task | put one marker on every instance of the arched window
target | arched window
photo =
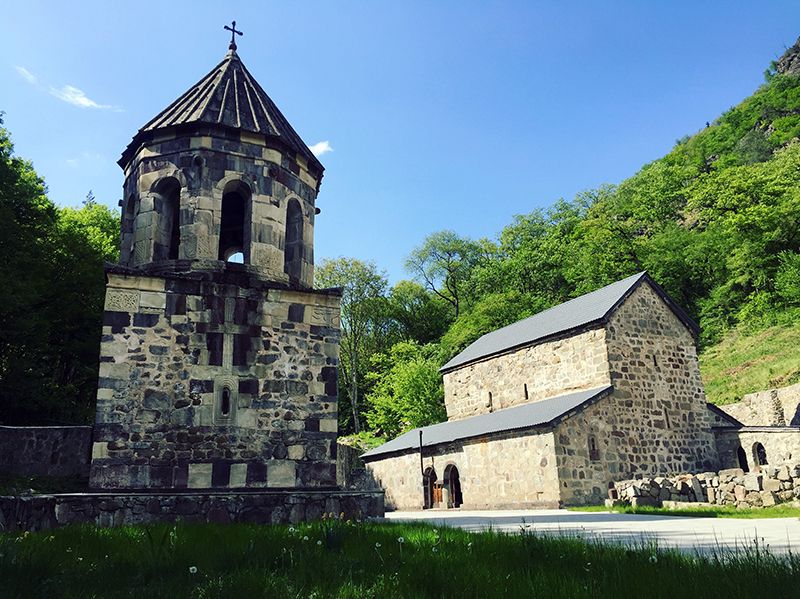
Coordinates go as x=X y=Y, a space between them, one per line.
x=452 y=483
x=234 y=231
x=759 y=455
x=293 y=241
x=129 y=228
x=741 y=454
x=167 y=204
x=594 y=452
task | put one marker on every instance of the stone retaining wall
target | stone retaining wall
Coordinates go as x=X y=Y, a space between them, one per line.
x=60 y=451
x=770 y=486
x=38 y=512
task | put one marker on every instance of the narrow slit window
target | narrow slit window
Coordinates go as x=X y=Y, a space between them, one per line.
x=225 y=404
x=525 y=390
x=594 y=452
x=293 y=241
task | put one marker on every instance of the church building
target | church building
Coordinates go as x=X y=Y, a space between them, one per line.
x=218 y=357
x=551 y=409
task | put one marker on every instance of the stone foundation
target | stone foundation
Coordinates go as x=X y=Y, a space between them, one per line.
x=58 y=451
x=39 y=512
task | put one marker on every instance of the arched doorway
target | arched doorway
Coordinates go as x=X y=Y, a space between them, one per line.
x=759 y=454
x=453 y=484
x=741 y=454
x=428 y=484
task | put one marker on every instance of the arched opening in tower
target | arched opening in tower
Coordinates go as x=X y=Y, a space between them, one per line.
x=234 y=234
x=293 y=241
x=167 y=203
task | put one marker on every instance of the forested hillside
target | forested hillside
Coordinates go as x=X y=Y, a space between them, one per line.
x=716 y=222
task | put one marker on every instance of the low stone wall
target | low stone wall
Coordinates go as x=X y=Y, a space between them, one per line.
x=770 y=486
x=351 y=472
x=773 y=407
x=59 y=451
x=38 y=512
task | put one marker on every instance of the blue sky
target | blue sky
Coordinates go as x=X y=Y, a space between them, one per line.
x=440 y=114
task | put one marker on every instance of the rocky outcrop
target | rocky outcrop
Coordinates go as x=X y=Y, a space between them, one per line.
x=789 y=63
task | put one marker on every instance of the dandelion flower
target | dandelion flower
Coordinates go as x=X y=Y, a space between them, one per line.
x=305 y=538
x=319 y=542
x=377 y=545
x=291 y=529
x=653 y=559
x=401 y=540
x=435 y=549
x=192 y=569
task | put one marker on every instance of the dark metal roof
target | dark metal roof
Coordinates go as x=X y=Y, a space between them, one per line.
x=582 y=312
x=228 y=96
x=529 y=415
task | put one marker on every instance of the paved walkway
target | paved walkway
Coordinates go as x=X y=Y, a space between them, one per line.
x=705 y=535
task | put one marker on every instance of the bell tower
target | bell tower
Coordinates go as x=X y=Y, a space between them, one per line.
x=218 y=358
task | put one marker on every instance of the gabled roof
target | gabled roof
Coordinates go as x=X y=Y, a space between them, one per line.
x=227 y=96
x=733 y=422
x=586 y=311
x=537 y=413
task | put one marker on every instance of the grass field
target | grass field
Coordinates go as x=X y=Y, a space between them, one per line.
x=358 y=560
x=743 y=363
x=722 y=511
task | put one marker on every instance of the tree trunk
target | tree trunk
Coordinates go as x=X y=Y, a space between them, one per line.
x=354 y=388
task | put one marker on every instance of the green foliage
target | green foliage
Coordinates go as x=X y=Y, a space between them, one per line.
x=52 y=270
x=345 y=559
x=407 y=390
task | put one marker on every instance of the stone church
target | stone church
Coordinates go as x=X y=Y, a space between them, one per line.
x=550 y=410
x=218 y=357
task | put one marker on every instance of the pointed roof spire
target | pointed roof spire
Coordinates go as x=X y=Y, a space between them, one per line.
x=228 y=96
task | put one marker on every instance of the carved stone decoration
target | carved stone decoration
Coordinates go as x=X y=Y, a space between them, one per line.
x=328 y=317
x=122 y=301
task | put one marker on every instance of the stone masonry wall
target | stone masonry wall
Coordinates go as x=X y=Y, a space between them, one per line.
x=41 y=512
x=769 y=486
x=781 y=444
x=773 y=407
x=170 y=349
x=205 y=167
x=661 y=415
x=515 y=470
x=545 y=370
x=58 y=451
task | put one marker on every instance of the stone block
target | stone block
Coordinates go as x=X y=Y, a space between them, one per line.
x=644 y=501
x=753 y=481
x=328 y=425
x=199 y=476
x=783 y=473
x=739 y=492
x=611 y=503
x=153 y=300
x=768 y=498
x=771 y=485
x=281 y=473
x=238 y=476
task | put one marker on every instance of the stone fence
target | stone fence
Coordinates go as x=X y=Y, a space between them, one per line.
x=59 y=451
x=770 y=486
x=40 y=512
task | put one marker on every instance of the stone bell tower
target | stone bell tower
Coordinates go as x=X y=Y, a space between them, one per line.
x=218 y=358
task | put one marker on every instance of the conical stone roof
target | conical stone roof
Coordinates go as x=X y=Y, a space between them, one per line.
x=228 y=96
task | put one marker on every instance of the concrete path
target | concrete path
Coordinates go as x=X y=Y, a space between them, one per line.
x=705 y=535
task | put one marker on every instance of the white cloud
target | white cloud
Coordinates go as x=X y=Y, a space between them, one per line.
x=72 y=95
x=320 y=148
x=26 y=75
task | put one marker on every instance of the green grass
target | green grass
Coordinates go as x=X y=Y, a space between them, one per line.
x=744 y=363
x=721 y=511
x=338 y=559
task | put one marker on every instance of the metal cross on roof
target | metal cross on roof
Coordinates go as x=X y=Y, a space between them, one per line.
x=234 y=33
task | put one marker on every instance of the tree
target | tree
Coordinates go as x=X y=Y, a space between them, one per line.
x=52 y=272
x=420 y=316
x=363 y=315
x=443 y=263
x=408 y=390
